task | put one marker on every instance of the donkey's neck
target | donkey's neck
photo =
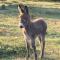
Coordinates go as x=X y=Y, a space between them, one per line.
x=30 y=28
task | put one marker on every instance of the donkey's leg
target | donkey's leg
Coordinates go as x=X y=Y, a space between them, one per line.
x=34 y=47
x=28 y=47
x=42 y=45
x=42 y=41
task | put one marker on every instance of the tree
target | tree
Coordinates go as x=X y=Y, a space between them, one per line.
x=3 y=4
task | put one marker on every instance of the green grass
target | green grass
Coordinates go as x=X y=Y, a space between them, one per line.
x=12 y=44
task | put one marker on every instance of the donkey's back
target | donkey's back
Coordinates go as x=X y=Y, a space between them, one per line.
x=39 y=25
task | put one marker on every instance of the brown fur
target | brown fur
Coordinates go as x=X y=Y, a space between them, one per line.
x=31 y=29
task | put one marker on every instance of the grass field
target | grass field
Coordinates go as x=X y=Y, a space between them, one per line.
x=12 y=44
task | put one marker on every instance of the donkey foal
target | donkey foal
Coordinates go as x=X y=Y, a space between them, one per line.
x=32 y=29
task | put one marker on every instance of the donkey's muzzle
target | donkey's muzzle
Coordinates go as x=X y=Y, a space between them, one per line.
x=21 y=26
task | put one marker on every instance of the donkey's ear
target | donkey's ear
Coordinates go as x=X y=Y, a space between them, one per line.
x=21 y=8
x=26 y=8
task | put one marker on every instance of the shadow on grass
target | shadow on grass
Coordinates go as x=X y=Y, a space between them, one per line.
x=45 y=12
x=12 y=10
x=10 y=52
x=7 y=51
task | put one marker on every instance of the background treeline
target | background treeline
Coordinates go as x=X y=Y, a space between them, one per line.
x=44 y=0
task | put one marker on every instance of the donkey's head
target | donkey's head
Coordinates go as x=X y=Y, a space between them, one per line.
x=24 y=16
